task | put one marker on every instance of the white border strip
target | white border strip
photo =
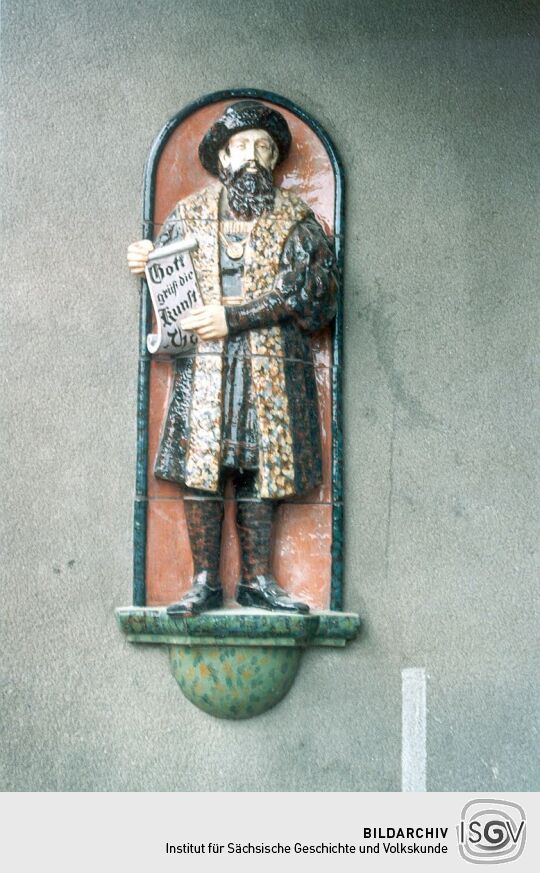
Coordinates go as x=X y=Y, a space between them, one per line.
x=413 y=729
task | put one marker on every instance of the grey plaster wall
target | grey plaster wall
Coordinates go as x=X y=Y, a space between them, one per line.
x=432 y=108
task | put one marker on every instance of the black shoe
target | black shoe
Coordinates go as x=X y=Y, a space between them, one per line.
x=199 y=598
x=265 y=593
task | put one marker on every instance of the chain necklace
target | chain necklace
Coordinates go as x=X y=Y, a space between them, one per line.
x=235 y=248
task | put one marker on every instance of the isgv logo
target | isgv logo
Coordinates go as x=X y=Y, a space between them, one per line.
x=491 y=831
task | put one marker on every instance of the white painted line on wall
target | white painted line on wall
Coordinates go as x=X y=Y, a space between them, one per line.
x=413 y=729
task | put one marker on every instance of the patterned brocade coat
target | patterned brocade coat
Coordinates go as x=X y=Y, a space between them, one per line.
x=289 y=290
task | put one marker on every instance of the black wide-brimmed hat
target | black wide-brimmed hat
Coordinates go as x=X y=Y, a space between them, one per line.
x=243 y=115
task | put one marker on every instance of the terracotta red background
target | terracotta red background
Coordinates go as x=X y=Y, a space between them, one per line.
x=303 y=529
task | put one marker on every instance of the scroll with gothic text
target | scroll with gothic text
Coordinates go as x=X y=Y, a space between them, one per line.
x=172 y=283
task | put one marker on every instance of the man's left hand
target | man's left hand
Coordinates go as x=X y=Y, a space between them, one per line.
x=208 y=323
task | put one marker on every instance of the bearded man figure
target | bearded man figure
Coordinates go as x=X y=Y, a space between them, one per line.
x=244 y=406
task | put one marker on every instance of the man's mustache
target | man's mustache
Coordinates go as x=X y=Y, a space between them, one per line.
x=249 y=165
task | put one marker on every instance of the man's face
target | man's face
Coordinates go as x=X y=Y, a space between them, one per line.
x=249 y=148
x=246 y=165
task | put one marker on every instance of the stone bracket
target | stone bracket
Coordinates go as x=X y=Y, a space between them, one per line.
x=236 y=663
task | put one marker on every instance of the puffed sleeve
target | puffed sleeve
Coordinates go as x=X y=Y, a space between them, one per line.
x=305 y=287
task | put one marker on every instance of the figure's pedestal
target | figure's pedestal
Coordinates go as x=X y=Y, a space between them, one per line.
x=236 y=663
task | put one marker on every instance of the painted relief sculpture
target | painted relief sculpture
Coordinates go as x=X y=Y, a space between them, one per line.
x=244 y=406
x=238 y=527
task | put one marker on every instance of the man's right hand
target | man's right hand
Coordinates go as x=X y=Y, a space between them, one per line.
x=137 y=256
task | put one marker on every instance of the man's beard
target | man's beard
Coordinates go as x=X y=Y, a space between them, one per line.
x=249 y=194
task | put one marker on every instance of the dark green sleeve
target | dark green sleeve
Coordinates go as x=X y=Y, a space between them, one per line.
x=305 y=287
